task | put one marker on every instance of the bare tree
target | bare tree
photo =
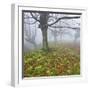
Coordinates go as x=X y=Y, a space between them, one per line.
x=43 y=18
x=58 y=30
x=29 y=34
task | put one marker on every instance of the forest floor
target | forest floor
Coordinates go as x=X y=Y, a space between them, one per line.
x=61 y=60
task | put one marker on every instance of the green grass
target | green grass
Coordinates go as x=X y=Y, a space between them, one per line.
x=58 y=61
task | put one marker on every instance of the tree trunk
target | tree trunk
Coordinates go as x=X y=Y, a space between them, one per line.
x=45 y=41
x=55 y=39
x=44 y=27
x=61 y=36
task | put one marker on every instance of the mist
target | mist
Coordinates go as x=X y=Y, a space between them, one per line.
x=64 y=31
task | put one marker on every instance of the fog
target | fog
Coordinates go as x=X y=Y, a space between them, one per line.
x=65 y=30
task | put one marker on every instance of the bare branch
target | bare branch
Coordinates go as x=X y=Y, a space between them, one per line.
x=35 y=17
x=30 y=23
x=63 y=18
x=65 y=27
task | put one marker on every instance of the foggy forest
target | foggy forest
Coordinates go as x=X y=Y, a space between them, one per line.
x=51 y=43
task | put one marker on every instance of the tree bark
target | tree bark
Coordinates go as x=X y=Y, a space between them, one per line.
x=45 y=40
x=43 y=26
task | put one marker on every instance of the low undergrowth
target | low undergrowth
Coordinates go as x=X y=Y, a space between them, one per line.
x=58 y=61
